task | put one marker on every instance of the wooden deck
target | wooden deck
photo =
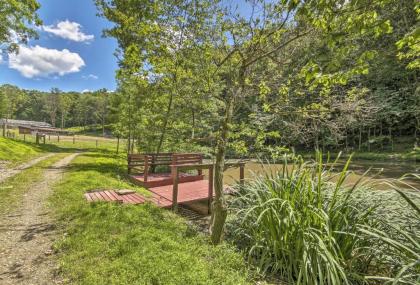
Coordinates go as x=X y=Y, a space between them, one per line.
x=167 y=190
x=112 y=196
x=160 y=196
x=187 y=191
x=162 y=179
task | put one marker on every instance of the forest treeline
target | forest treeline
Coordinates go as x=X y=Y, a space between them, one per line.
x=60 y=109
x=357 y=92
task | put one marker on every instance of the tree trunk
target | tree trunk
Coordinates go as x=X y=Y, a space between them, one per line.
x=52 y=117
x=4 y=128
x=382 y=141
x=219 y=209
x=128 y=144
x=193 y=125
x=390 y=137
x=103 y=127
x=360 y=138
x=165 y=123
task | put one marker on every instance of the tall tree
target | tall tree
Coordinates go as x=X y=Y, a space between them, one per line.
x=17 y=18
x=52 y=105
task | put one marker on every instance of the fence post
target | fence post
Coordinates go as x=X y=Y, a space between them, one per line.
x=175 y=189
x=146 y=167
x=210 y=189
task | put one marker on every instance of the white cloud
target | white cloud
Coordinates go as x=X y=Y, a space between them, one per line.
x=1 y=58
x=86 y=91
x=39 y=61
x=90 y=76
x=68 y=30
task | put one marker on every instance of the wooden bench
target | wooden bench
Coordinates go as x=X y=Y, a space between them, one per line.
x=142 y=167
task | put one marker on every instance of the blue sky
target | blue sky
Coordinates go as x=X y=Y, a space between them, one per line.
x=88 y=63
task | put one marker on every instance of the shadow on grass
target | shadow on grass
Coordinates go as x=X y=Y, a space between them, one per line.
x=62 y=148
x=104 y=168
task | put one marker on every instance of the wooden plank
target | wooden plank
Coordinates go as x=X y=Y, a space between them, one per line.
x=128 y=199
x=104 y=196
x=88 y=197
x=110 y=196
x=136 y=198
x=194 y=166
x=97 y=196
x=115 y=195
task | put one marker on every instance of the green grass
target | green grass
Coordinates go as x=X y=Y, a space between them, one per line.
x=16 y=152
x=107 y=243
x=13 y=188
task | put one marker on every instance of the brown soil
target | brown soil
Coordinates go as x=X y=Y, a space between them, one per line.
x=9 y=172
x=27 y=234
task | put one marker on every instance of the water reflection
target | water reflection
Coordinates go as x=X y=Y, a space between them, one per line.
x=379 y=171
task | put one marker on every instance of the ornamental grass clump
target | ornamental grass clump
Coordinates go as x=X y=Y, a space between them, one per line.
x=306 y=225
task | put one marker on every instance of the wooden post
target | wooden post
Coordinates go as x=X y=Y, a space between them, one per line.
x=58 y=137
x=128 y=164
x=74 y=139
x=210 y=189
x=200 y=171
x=146 y=167
x=24 y=137
x=43 y=138
x=175 y=189
x=49 y=137
x=37 y=138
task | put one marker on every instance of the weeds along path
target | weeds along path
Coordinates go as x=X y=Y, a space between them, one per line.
x=6 y=173
x=27 y=234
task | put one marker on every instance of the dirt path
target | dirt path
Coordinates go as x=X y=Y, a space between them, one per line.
x=6 y=173
x=27 y=234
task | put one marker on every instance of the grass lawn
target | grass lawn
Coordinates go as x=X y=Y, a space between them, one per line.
x=16 y=152
x=127 y=244
x=13 y=188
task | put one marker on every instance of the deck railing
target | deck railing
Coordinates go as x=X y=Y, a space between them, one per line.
x=176 y=169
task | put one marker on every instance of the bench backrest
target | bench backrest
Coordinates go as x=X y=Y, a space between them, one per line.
x=187 y=158
x=147 y=160
x=151 y=158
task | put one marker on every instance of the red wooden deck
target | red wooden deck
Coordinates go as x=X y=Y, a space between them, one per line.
x=162 y=179
x=187 y=191
x=112 y=196
x=160 y=196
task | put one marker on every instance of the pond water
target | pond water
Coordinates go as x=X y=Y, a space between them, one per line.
x=379 y=171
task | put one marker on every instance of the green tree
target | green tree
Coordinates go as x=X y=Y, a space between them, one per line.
x=52 y=105
x=17 y=18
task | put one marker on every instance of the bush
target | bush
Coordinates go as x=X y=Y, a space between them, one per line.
x=305 y=225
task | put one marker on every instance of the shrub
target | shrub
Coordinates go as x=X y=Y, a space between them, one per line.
x=306 y=225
